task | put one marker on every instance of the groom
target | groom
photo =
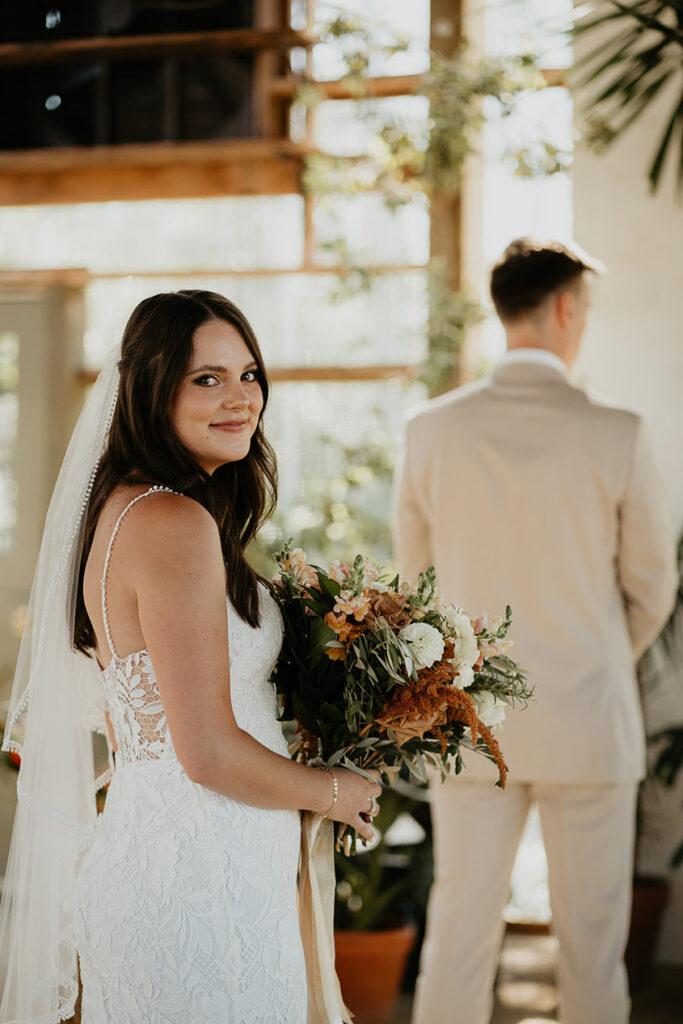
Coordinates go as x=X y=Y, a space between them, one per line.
x=522 y=488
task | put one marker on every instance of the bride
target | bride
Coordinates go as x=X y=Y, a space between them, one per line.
x=178 y=903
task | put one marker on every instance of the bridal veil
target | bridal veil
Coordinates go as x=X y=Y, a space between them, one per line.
x=55 y=706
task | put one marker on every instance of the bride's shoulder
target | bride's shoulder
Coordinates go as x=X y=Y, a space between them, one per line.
x=169 y=512
x=157 y=518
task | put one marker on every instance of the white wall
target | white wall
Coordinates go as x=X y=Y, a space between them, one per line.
x=633 y=348
x=633 y=352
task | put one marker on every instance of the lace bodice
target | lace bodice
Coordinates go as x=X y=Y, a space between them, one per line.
x=132 y=695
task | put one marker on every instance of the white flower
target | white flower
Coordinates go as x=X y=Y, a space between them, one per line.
x=490 y=709
x=465 y=677
x=425 y=643
x=459 y=628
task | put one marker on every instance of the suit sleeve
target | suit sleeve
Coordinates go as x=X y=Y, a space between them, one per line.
x=411 y=529
x=646 y=561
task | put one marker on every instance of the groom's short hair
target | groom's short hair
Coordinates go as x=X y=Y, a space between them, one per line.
x=529 y=270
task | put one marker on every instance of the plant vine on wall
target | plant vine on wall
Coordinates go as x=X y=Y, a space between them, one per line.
x=410 y=163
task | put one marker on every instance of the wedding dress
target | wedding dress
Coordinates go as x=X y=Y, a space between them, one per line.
x=186 y=900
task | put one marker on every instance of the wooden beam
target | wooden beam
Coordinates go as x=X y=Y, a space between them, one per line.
x=150 y=171
x=172 y=44
x=271 y=111
x=445 y=210
x=318 y=374
x=67 y=277
x=305 y=268
x=391 y=85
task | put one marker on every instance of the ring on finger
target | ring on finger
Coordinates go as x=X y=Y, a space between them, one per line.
x=374 y=806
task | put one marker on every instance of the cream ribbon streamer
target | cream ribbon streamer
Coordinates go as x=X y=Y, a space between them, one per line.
x=316 y=909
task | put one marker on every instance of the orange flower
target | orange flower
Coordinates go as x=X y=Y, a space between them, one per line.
x=335 y=621
x=336 y=653
x=430 y=704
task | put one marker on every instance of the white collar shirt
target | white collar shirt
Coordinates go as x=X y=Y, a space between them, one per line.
x=534 y=355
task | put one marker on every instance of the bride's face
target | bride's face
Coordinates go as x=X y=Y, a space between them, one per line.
x=219 y=401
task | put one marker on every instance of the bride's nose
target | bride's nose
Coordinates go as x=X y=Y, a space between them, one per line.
x=236 y=397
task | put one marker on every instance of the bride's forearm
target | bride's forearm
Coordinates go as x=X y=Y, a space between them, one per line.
x=243 y=769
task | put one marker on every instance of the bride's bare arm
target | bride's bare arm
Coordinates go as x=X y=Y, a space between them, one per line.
x=176 y=564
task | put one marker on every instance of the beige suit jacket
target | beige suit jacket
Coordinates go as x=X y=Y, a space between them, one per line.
x=525 y=490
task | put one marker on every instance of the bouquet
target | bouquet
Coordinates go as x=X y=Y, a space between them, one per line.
x=376 y=674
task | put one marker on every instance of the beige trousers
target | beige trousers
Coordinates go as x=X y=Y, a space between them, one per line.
x=588 y=833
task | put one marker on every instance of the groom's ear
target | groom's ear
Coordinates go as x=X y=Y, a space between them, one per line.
x=565 y=307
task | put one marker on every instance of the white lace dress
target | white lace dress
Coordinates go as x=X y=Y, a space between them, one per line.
x=186 y=899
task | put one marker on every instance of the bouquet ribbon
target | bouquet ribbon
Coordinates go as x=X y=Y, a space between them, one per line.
x=316 y=910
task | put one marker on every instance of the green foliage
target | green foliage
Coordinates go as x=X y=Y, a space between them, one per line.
x=408 y=163
x=347 y=505
x=667 y=767
x=662 y=664
x=405 y=162
x=540 y=160
x=626 y=70
x=455 y=88
x=451 y=314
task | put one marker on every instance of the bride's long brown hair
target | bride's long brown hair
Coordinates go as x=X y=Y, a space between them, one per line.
x=143 y=446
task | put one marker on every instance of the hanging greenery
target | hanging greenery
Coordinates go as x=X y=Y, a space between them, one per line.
x=412 y=162
x=405 y=163
x=451 y=313
x=637 y=54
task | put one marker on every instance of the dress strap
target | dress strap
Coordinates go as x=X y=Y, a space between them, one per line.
x=117 y=524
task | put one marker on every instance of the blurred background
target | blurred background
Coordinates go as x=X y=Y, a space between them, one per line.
x=347 y=173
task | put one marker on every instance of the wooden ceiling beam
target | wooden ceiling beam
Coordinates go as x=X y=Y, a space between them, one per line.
x=173 y=44
x=152 y=171
x=287 y=86
x=320 y=374
x=391 y=85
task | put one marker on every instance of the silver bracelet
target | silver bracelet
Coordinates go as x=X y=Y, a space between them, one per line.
x=335 y=789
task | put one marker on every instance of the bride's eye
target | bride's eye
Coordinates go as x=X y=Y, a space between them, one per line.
x=207 y=380
x=250 y=376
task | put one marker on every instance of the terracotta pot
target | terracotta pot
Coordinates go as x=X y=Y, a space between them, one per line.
x=650 y=897
x=370 y=967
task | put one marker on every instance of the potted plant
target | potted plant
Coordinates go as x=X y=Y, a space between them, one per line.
x=661 y=664
x=380 y=904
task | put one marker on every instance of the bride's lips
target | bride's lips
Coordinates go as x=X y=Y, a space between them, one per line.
x=230 y=426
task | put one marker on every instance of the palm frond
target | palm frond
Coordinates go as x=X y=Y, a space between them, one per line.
x=676 y=121
x=617 y=80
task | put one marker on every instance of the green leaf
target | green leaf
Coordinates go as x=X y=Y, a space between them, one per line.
x=658 y=162
x=320 y=637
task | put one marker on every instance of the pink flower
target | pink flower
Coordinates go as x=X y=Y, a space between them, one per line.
x=358 y=605
x=495 y=648
x=297 y=566
x=370 y=573
x=308 y=576
x=339 y=572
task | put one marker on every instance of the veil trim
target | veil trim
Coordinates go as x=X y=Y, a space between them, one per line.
x=57 y=703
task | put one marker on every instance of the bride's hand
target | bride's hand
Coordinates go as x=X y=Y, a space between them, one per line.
x=356 y=801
